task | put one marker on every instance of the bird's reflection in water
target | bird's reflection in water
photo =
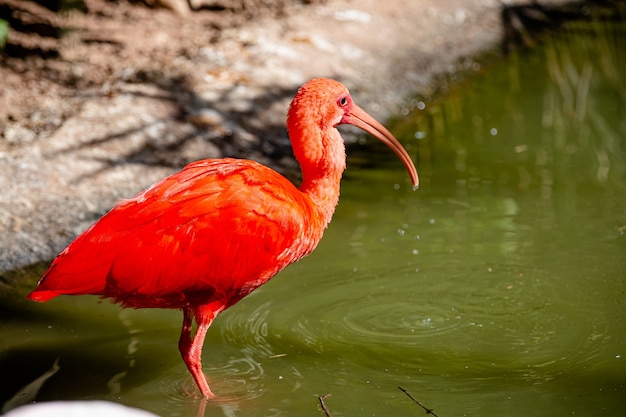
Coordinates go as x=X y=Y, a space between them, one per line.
x=114 y=385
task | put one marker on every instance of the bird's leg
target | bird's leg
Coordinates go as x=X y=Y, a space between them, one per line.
x=191 y=347
x=185 y=335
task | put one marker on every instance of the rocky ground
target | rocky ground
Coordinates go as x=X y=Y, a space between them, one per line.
x=117 y=95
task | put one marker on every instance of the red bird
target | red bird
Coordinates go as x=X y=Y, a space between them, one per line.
x=203 y=238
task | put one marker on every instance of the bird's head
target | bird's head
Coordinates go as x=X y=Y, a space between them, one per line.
x=317 y=109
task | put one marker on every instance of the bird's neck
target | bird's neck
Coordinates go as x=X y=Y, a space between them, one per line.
x=322 y=168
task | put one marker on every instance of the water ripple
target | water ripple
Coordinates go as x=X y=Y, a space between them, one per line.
x=238 y=380
x=499 y=323
x=399 y=322
x=366 y=316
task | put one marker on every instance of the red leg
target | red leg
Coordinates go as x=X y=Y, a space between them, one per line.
x=191 y=348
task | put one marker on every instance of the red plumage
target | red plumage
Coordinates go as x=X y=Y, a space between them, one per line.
x=216 y=230
x=205 y=237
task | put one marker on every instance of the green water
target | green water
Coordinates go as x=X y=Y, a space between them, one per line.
x=496 y=289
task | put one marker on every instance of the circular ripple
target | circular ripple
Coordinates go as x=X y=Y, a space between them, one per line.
x=240 y=379
x=395 y=322
x=485 y=326
x=488 y=324
x=365 y=315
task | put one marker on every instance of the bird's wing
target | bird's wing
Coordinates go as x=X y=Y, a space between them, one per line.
x=219 y=229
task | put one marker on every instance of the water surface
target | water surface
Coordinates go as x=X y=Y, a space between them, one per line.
x=498 y=288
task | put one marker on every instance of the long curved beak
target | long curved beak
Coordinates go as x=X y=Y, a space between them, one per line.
x=359 y=118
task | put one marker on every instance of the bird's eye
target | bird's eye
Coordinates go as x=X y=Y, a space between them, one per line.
x=343 y=101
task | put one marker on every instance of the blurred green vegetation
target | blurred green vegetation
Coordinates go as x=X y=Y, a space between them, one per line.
x=4 y=32
x=570 y=112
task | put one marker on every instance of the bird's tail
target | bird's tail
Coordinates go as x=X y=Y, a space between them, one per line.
x=41 y=295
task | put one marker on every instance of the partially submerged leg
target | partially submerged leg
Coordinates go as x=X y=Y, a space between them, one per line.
x=191 y=347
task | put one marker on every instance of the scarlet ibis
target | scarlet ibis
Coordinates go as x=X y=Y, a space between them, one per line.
x=205 y=237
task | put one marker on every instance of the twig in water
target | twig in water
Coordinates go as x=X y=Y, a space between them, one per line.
x=428 y=410
x=323 y=404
